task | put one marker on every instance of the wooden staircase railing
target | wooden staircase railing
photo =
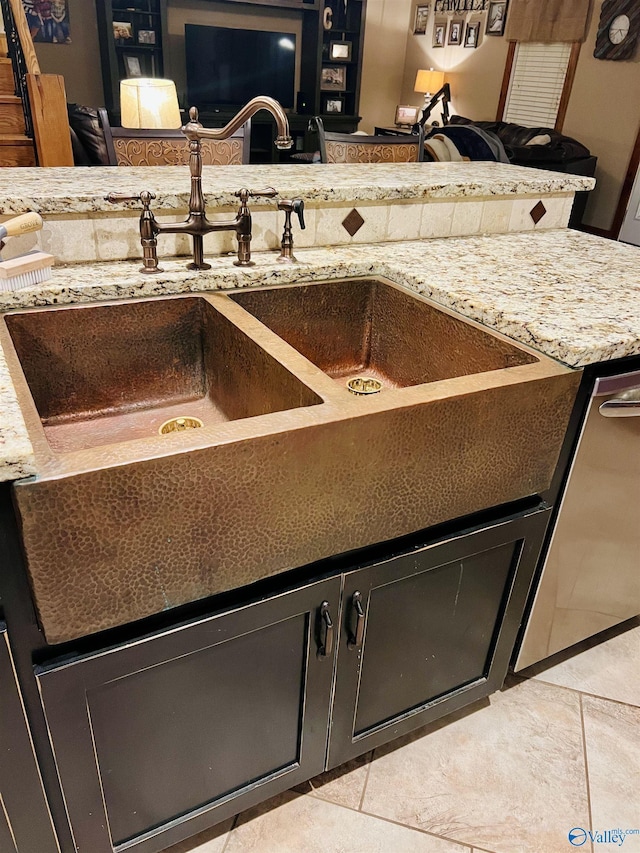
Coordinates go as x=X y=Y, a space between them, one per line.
x=43 y=95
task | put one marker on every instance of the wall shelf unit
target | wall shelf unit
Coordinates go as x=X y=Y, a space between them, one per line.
x=330 y=77
x=347 y=29
x=131 y=42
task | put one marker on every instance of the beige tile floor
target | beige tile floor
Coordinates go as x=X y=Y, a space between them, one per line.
x=557 y=748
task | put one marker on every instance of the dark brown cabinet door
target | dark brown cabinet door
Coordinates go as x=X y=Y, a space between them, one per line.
x=25 y=822
x=159 y=739
x=427 y=632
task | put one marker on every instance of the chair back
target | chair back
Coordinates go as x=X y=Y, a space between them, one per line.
x=139 y=147
x=355 y=148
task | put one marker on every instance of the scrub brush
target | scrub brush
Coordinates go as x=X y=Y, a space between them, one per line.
x=28 y=269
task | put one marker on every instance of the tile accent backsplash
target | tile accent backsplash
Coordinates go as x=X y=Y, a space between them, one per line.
x=537 y=212
x=352 y=222
x=76 y=237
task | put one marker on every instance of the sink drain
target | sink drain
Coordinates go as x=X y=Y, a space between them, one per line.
x=364 y=385
x=179 y=424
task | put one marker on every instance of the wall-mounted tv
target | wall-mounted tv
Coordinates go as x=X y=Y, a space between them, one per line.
x=228 y=67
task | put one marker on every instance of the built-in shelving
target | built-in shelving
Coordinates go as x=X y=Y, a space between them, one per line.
x=123 y=53
x=131 y=42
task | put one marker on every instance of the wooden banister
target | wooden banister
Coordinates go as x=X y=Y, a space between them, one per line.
x=26 y=42
x=47 y=100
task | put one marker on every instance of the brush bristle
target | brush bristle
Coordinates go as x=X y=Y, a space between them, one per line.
x=27 y=279
x=25 y=271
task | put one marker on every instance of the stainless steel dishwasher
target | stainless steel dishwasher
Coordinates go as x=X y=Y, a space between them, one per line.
x=591 y=575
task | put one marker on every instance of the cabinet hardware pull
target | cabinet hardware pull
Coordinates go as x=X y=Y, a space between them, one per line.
x=355 y=641
x=625 y=405
x=326 y=631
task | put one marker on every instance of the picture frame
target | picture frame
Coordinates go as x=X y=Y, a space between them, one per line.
x=406 y=115
x=122 y=32
x=132 y=65
x=439 y=33
x=53 y=27
x=421 y=19
x=472 y=35
x=456 y=29
x=333 y=78
x=146 y=37
x=333 y=105
x=340 y=51
x=496 y=17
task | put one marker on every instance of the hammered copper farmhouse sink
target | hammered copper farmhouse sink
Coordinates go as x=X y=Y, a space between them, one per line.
x=349 y=329
x=288 y=466
x=108 y=373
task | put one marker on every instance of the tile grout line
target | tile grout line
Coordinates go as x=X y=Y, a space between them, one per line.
x=580 y=692
x=463 y=844
x=366 y=780
x=586 y=768
x=523 y=679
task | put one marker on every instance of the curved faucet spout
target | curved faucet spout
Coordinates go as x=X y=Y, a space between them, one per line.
x=193 y=130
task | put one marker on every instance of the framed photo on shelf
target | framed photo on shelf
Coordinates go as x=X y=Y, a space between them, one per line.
x=146 y=36
x=340 y=51
x=439 y=31
x=420 y=25
x=456 y=28
x=122 y=32
x=333 y=105
x=472 y=35
x=497 y=18
x=333 y=78
x=406 y=115
x=132 y=65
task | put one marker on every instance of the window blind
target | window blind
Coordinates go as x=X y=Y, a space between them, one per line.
x=537 y=81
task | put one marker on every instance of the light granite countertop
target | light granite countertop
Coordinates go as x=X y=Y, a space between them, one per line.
x=82 y=190
x=572 y=296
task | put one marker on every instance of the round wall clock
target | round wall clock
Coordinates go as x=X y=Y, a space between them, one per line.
x=618 y=29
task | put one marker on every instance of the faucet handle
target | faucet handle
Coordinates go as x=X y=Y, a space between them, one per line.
x=293 y=205
x=145 y=197
x=290 y=205
x=148 y=227
x=298 y=207
x=269 y=192
x=244 y=195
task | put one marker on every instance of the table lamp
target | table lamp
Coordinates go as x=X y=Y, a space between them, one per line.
x=149 y=103
x=428 y=82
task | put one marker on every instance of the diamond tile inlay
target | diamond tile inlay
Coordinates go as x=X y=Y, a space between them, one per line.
x=537 y=212
x=353 y=222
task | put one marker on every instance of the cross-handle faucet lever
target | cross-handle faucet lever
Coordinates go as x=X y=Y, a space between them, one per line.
x=244 y=215
x=290 y=205
x=148 y=234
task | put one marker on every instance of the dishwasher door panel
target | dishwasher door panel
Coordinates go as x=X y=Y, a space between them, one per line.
x=591 y=576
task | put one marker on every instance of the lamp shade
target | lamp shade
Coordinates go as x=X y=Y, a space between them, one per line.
x=429 y=81
x=149 y=103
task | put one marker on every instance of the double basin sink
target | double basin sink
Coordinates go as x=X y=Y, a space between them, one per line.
x=188 y=445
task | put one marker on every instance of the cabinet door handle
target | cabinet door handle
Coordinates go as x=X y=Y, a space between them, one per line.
x=626 y=405
x=326 y=631
x=355 y=641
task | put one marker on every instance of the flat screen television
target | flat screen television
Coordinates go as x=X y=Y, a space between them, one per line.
x=228 y=67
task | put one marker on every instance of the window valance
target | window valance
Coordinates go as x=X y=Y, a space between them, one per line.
x=547 y=20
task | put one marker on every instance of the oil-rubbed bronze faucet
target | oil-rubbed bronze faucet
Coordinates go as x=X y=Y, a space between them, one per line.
x=196 y=224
